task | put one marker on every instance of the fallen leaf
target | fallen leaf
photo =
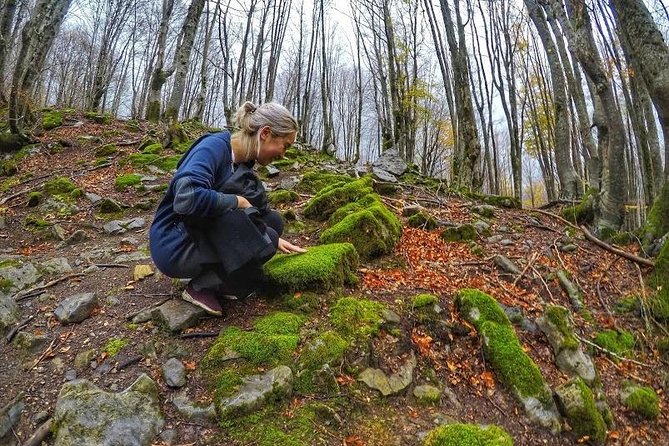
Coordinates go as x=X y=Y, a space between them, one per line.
x=488 y=379
x=353 y=440
x=142 y=271
x=344 y=380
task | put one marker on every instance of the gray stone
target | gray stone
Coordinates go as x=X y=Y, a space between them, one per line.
x=40 y=417
x=568 y=248
x=390 y=316
x=10 y=415
x=545 y=415
x=136 y=256
x=82 y=360
x=507 y=242
x=578 y=407
x=192 y=412
x=289 y=183
x=484 y=210
x=135 y=223
x=452 y=397
x=54 y=205
x=482 y=227
x=177 y=315
x=143 y=316
x=506 y=265
x=76 y=308
x=114 y=227
x=272 y=171
x=382 y=175
x=391 y=162
x=174 y=373
x=21 y=275
x=70 y=375
x=576 y=362
x=256 y=391
x=495 y=238
x=93 y=198
x=57 y=366
x=58 y=265
x=58 y=232
x=169 y=436
x=412 y=209
x=77 y=236
x=9 y=313
x=388 y=385
x=86 y=415
x=29 y=342
x=572 y=291
x=427 y=393
x=108 y=206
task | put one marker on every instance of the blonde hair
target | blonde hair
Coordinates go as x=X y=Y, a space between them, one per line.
x=251 y=118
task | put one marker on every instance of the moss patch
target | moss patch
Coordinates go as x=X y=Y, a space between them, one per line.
x=98 y=118
x=582 y=413
x=123 y=182
x=641 y=400
x=458 y=434
x=559 y=317
x=422 y=220
x=657 y=223
x=356 y=318
x=329 y=199
x=423 y=300
x=313 y=182
x=327 y=348
x=582 y=213
x=460 y=233
x=59 y=186
x=320 y=268
x=106 y=150
x=373 y=231
x=478 y=307
x=52 y=119
x=282 y=196
x=153 y=149
x=114 y=346
x=619 y=342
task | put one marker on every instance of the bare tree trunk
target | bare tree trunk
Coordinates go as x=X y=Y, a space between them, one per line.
x=326 y=91
x=7 y=12
x=277 y=35
x=36 y=40
x=159 y=75
x=202 y=93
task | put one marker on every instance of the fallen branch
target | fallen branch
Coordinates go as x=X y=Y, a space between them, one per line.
x=609 y=352
x=21 y=295
x=617 y=251
x=110 y=265
x=130 y=316
x=550 y=214
x=40 y=434
x=128 y=362
x=529 y=264
x=18 y=328
x=200 y=334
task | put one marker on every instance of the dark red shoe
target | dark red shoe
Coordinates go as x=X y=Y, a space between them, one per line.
x=205 y=299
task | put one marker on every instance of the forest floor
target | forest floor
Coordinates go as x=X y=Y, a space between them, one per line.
x=421 y=263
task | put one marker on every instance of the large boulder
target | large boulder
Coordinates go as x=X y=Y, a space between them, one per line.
x=577 y=403
x=85 y=415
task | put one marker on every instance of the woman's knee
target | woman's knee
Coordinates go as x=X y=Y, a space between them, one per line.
x=275 y=221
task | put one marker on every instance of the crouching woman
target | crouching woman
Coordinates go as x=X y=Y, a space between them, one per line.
x=214 y=226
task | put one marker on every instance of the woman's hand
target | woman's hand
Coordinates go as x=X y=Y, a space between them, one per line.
x=242 y=202
x=287 y=247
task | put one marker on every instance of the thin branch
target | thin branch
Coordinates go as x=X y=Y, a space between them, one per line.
x=609 y=352
x=21 y=295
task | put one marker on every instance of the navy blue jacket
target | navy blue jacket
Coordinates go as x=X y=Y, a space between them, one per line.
x=193 y=195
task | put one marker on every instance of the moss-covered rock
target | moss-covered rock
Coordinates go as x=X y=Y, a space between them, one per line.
x=52 y=119
x=582 y=213
x=502 y=201
x=153 y=149
x=619 y=342
x=374 y=231
x=282 y=196
x=577 y=404
x=326 y=349
x=357 y=318
x=353 y=207
x=313 y=182
x=459 y=233
x=106 y=150
x=35 y=198
x=59 y=186
x=423 y=300
x=10 y=142
x=422 y=220
x=558 y=317
x=114 y=346
x=98 y=118
x=125 y=181
x=477 y=307
x=458 y=434
x=641 y=400
x=272 y=342
x=331 y=198
x=321 y=268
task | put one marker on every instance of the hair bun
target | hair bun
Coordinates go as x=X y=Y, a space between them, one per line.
x=249 y=107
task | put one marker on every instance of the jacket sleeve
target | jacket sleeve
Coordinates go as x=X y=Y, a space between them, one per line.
x=193 y=187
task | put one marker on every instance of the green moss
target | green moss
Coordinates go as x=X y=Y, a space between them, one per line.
x=114 y=346
x=422 y=220
x=153 y=149
x=9 y=263
x=52 y=119
x=373 y=231
x=478 y=307
x=559 y=317
x=5 y=284
x=282 y=196
x=642 y=400
x=123 y=182
x=34 y=198
x=167 y=163
x=657 y=222
x=313 y=182
x=228 y=382
x=495 y=200
x=8 y=168
x=36 y=222
x=659 y=304
x=458 y=434
x=326 y=348
x=142 y=159
x=626 y=304
x=582 y=213
x=329 y=199
x=663 y=347
x=356 y=318
x=279 y=323
x=59 y=186
x=305 y=302
x=106 y=150
x=460 y=233
x=353 y=207
x=270 y=344
x=619 y=342
x=99 y=118
x=320 y=268
x=514 y=368
x=423 y=300
x=584 y=418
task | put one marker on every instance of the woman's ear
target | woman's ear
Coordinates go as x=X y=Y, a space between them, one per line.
x=265 y=132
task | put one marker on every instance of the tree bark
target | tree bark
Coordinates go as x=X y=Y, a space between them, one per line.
x=7 y=12
x=159 y=75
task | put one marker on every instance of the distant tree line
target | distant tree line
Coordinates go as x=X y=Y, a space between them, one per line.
x=550 y=99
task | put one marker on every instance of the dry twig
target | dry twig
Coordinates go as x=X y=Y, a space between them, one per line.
x=21 y=295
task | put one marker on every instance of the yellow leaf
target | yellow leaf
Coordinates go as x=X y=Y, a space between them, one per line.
x=142 y=271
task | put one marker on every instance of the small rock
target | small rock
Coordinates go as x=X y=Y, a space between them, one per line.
x=40 y=417
x=484 y=210
x=10 y=415
x=76 y=308
x=411 y=209
x=382 y=175
x=192 y=412
x=390 y=316
x=142 y=271
x=272 y=171
x=58 y=232
x=93 y=198
x=178 y=315
x=168 y=436
x=256 y=391
x=495 y=238
x=174 y=373
x=505 y=265
x=29 y=342
x=114 y=227
x=136 y=256
x=70 y=375
x=289 y=183
x=59 y=265
x=507 y=242
x=427 y=393
x=57 y=366
x=482 y=227
x=77 y=236
x=83 y=359
x=568 y=248
x=388 y=385
x=108 y=206
x=391 y=162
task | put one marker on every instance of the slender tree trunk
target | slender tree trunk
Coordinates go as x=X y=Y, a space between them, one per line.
x=202 y=93
x=7 y=12
x=159 y=75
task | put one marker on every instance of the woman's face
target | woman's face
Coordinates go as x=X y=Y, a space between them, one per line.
x=273 y=147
